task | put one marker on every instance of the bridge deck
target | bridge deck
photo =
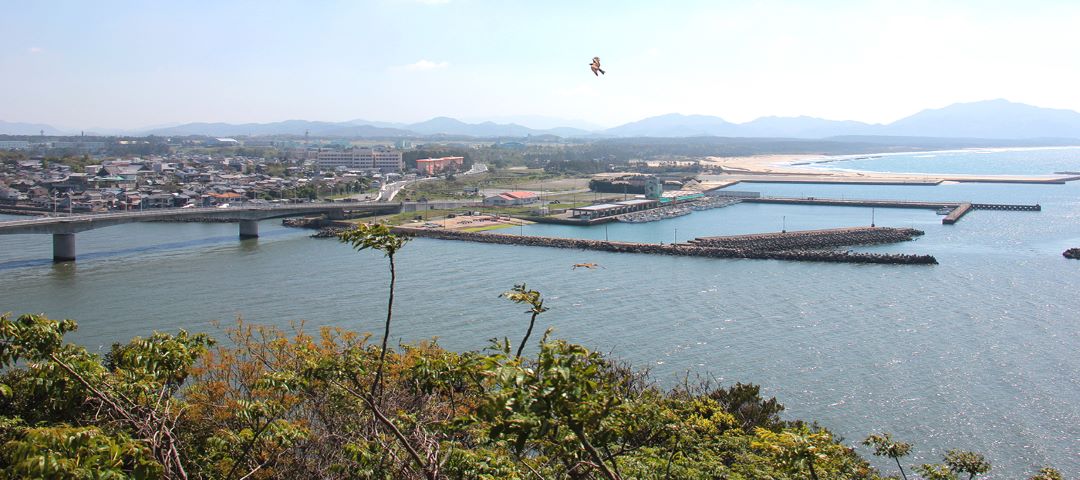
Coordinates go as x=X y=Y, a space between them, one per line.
x=83 y=222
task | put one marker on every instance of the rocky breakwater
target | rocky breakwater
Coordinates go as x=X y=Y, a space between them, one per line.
x=326 y=228
x=681 y=249
x=813 y=239
x=1073 y=253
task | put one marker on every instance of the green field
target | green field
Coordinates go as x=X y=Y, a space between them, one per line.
x=524 y=179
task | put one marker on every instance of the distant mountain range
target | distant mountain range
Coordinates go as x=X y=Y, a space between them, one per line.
x=992 y=119
x=18 y=128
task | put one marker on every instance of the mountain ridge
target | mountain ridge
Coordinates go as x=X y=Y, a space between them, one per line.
x=990 y=119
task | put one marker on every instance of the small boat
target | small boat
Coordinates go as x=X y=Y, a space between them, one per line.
x=944 y=210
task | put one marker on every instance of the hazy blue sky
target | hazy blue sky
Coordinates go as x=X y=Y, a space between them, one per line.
x=82 y=64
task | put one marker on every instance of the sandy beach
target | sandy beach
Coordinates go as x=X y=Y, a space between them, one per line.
x=800 y=169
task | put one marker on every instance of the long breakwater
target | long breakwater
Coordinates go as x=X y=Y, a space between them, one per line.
x=955 y=210
x=812 y=239
x=812 y=252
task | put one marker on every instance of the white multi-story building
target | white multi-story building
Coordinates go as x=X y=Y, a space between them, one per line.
x=362 y=159
x=79 y=145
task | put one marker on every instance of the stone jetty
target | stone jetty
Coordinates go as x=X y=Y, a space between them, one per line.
x=812 y=239
x=326 y=228
x=680 y=249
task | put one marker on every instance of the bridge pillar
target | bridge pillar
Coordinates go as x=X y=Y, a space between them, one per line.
x=63 y=247
x=249 y=229
x=335 y=215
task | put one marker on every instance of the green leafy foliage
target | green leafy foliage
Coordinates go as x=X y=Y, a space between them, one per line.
x=374 y=236
x=885 y=446
x=814 y=451
x=751 y=411
x=520 y=294
x=971 y=463
x=76 y=452
x=1047 y=473
x=935 y=471
x=378 y=237
x=159 y=362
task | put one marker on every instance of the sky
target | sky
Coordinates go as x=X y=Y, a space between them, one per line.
x=139 y=63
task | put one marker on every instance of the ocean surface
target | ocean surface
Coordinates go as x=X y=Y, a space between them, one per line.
x=987 y=161
x=978 y=353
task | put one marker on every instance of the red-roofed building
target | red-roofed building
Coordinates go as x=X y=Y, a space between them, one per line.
x=512 y=198
x=222 y=198
x=431 y=166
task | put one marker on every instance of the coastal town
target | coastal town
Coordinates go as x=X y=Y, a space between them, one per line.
x=73 y=175
x=84 y=177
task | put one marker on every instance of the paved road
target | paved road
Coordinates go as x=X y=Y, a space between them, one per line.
x=390 y=190
x=476 y=168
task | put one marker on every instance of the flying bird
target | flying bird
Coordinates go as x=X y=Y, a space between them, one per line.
x=590 y=266
x=595 y=65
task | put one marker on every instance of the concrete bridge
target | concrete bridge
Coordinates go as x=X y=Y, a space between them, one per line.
x=64 y=228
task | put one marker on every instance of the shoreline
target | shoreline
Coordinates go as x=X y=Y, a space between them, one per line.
x=803 y=169
x=818 y=159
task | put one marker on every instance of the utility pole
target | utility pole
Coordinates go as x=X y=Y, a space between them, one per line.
x=872 y=217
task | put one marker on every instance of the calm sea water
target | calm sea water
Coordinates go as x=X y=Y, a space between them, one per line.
x=979 y=352
x=1030 y=161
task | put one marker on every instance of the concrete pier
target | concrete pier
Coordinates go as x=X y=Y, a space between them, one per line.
x=63 y=247
x=249 y=229
x=956 y=209
x=956 y=213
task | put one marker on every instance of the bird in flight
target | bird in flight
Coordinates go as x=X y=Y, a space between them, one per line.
x=595 y=65
x=590 y=266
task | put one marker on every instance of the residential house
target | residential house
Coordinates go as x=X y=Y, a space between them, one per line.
x=214 y=199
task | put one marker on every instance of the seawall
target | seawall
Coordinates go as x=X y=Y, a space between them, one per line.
x=680 y=249
x=813 y=239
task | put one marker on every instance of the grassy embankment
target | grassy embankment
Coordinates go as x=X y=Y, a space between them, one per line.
x=565 y=190
x=511 y=179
